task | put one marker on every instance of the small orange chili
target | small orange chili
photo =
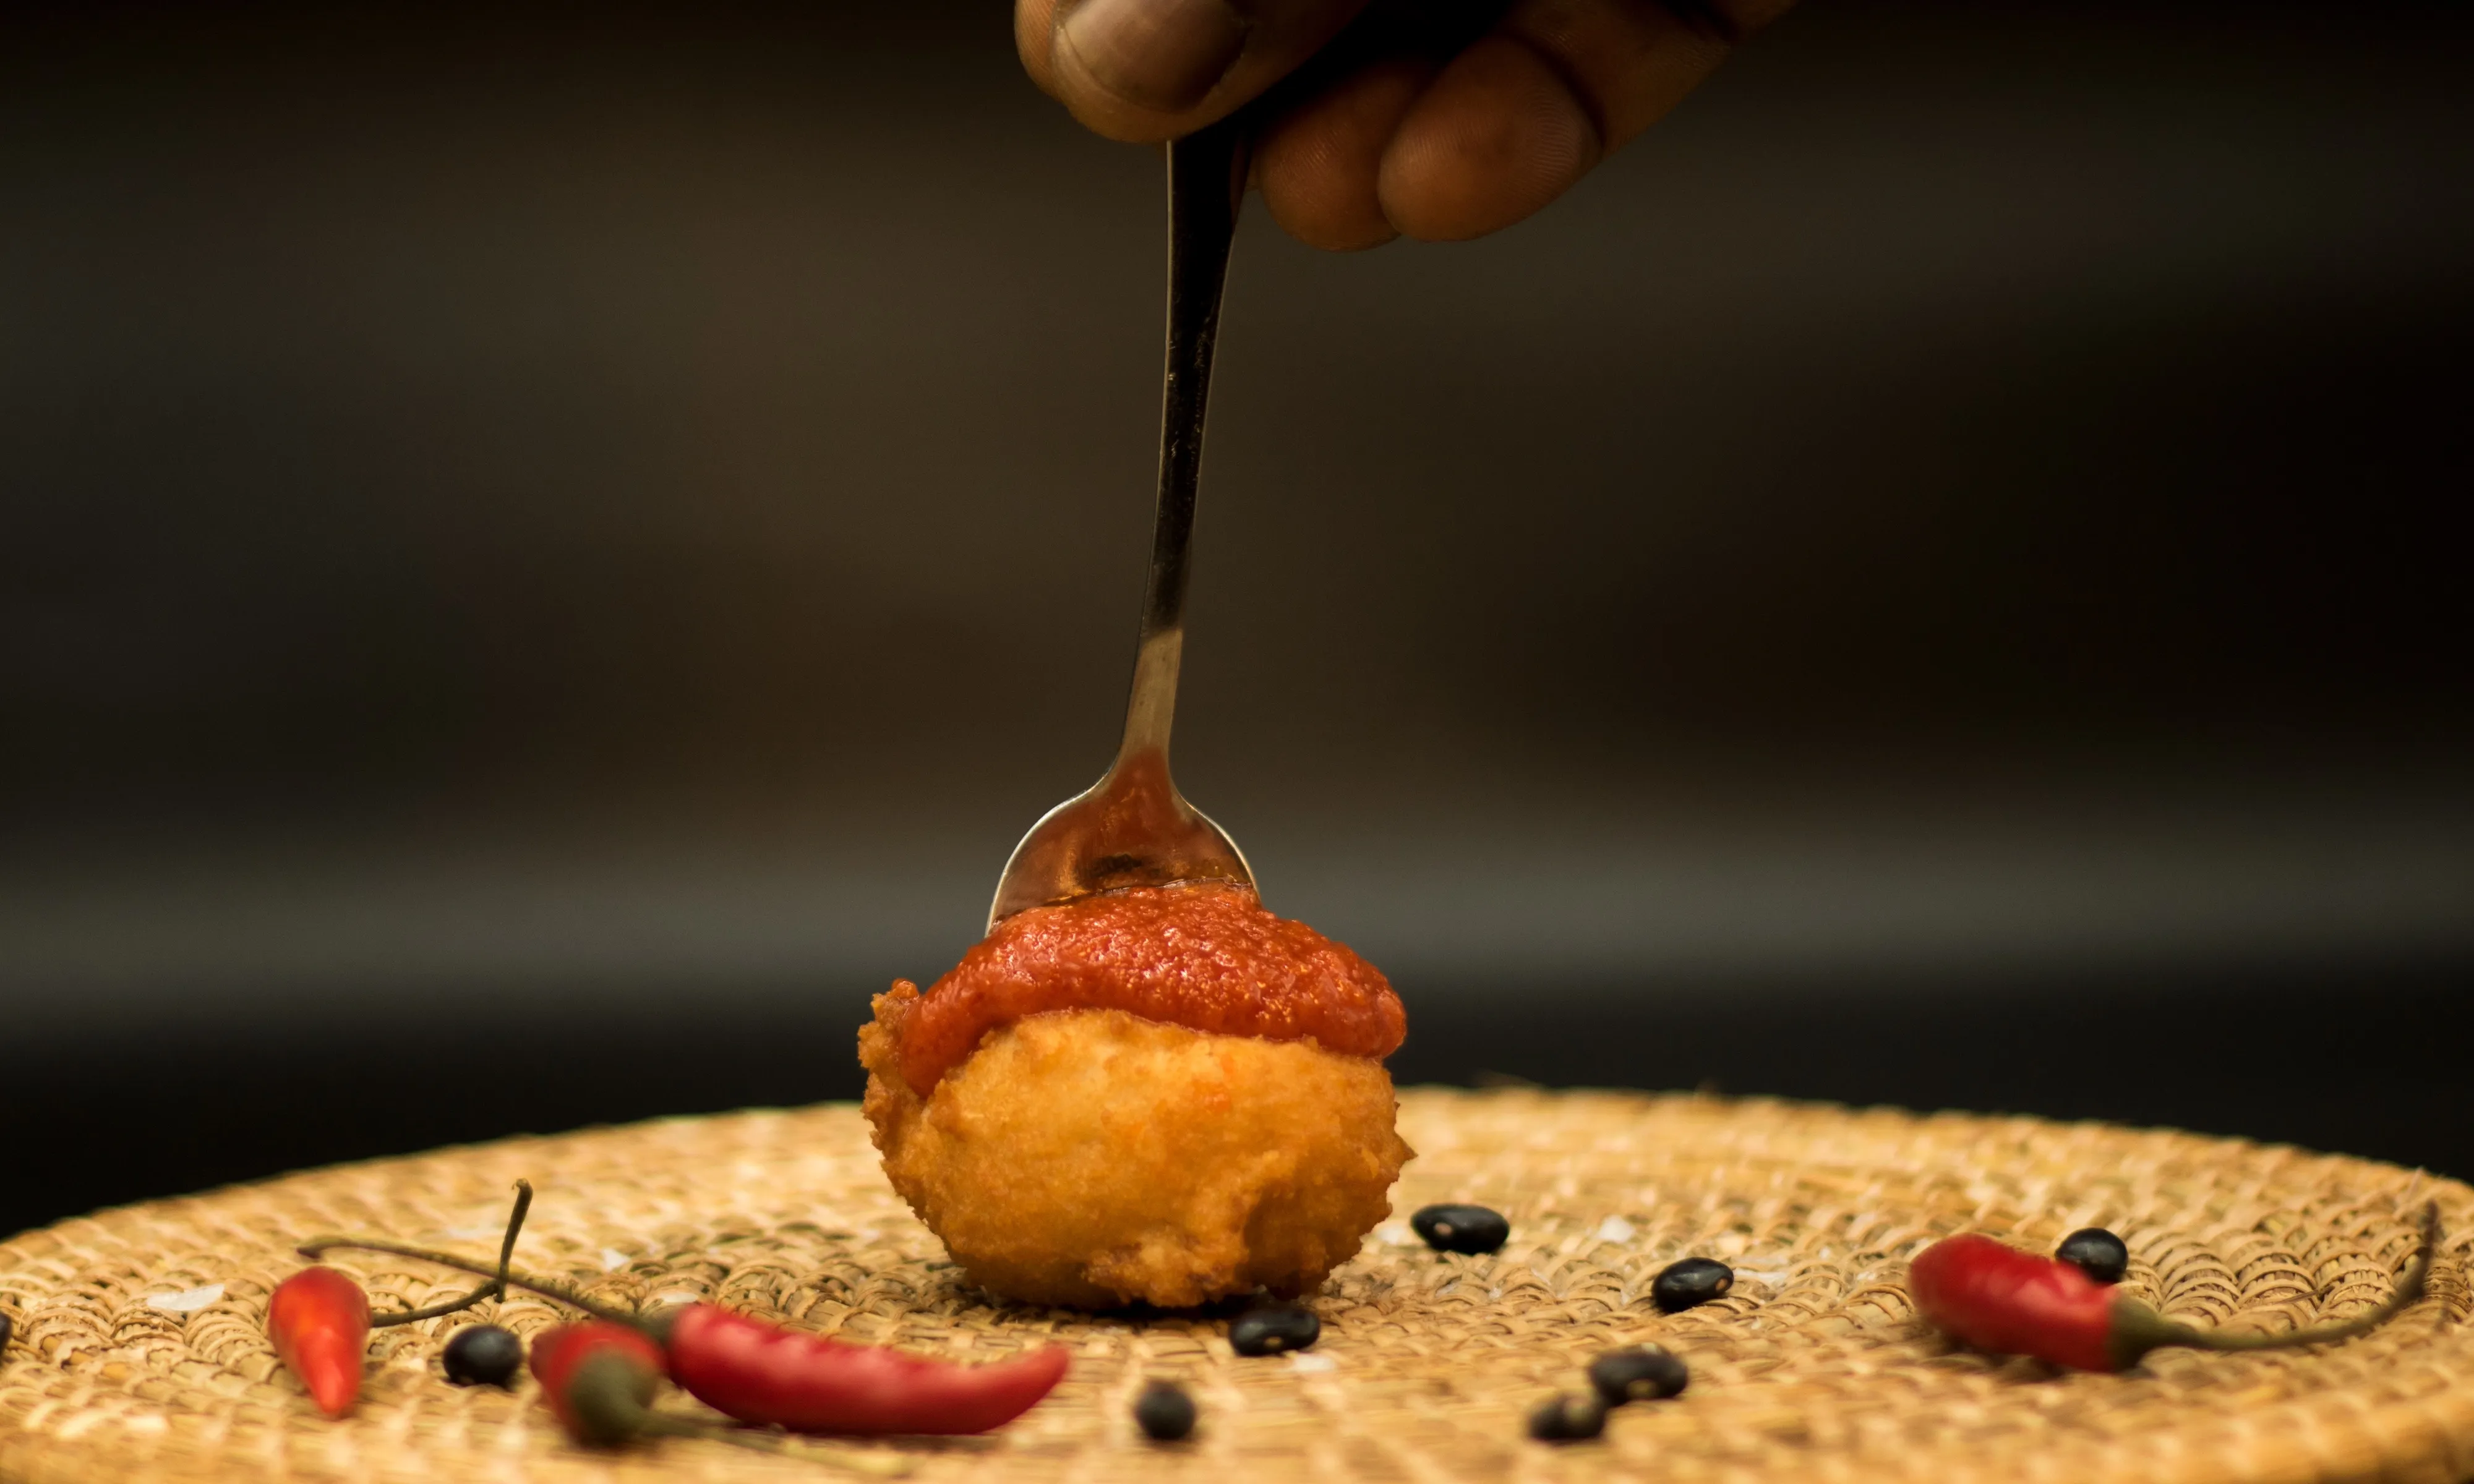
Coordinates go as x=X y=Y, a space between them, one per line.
x=1997 y=1298
x=320 y=1322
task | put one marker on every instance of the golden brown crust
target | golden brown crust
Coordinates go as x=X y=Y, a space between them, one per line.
x=880 y=1051
x=1091 y=1157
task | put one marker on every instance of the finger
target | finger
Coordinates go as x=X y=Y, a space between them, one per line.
x=1525 y=111
x=1145 y=70
x=1496 y=136
x=1317 y=165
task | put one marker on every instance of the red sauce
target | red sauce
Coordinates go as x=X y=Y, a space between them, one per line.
x=1206 y=958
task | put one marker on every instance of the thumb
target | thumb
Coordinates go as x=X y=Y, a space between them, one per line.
x=1145 y=70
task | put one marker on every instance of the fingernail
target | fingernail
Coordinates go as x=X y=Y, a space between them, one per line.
x=1156 y=53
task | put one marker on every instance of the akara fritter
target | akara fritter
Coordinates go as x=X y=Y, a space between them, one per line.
x=1166 y=1096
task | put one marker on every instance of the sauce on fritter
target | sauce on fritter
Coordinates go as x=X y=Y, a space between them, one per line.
x=1209 y=958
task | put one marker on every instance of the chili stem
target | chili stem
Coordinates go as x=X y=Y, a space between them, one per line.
x=319 y=1246
x=2409 y=1290
x=495 y=1288
x=438 y=1310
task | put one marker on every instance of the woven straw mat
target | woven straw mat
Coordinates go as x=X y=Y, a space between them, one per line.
x=1812 y=1369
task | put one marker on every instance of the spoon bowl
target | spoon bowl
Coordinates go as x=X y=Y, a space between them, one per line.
x=1131 y=828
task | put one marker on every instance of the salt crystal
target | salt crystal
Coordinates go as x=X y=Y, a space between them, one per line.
x=1312 y=1365
x=611 y=1258
x=1397 y=1233
x=1614 y=1229
x=676 y=1296
x=188 y=1300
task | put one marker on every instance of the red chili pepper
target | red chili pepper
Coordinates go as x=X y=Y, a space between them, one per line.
x=759 y=1373
x=320 y=1322
x=601 y=1378
x=597 y=1378
x=1997 y=1298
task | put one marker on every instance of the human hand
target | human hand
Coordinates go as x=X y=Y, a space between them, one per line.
x=1441 y=119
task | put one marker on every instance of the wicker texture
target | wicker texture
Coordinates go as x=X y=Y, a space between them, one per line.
x=1812 y=1369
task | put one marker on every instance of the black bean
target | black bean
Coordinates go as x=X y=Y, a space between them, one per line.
x=1570 y=1417
x=2095 y=1252
x=1469 y=1228
x=1639 y=1373
x=1273 y=1328
x=1689 y=1283
x=4 y=1327
x=483 y=1355
x=1164 y=1412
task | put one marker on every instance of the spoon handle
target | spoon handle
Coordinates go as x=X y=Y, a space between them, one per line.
x=1206 y=181
x=1132 y=828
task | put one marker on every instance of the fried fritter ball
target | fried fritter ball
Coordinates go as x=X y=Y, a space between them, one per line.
x=1093 y=1158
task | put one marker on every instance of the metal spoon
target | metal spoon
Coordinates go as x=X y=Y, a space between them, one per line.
x=1132 y=827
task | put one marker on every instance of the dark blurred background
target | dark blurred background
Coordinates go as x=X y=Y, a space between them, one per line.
x=547 y=554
